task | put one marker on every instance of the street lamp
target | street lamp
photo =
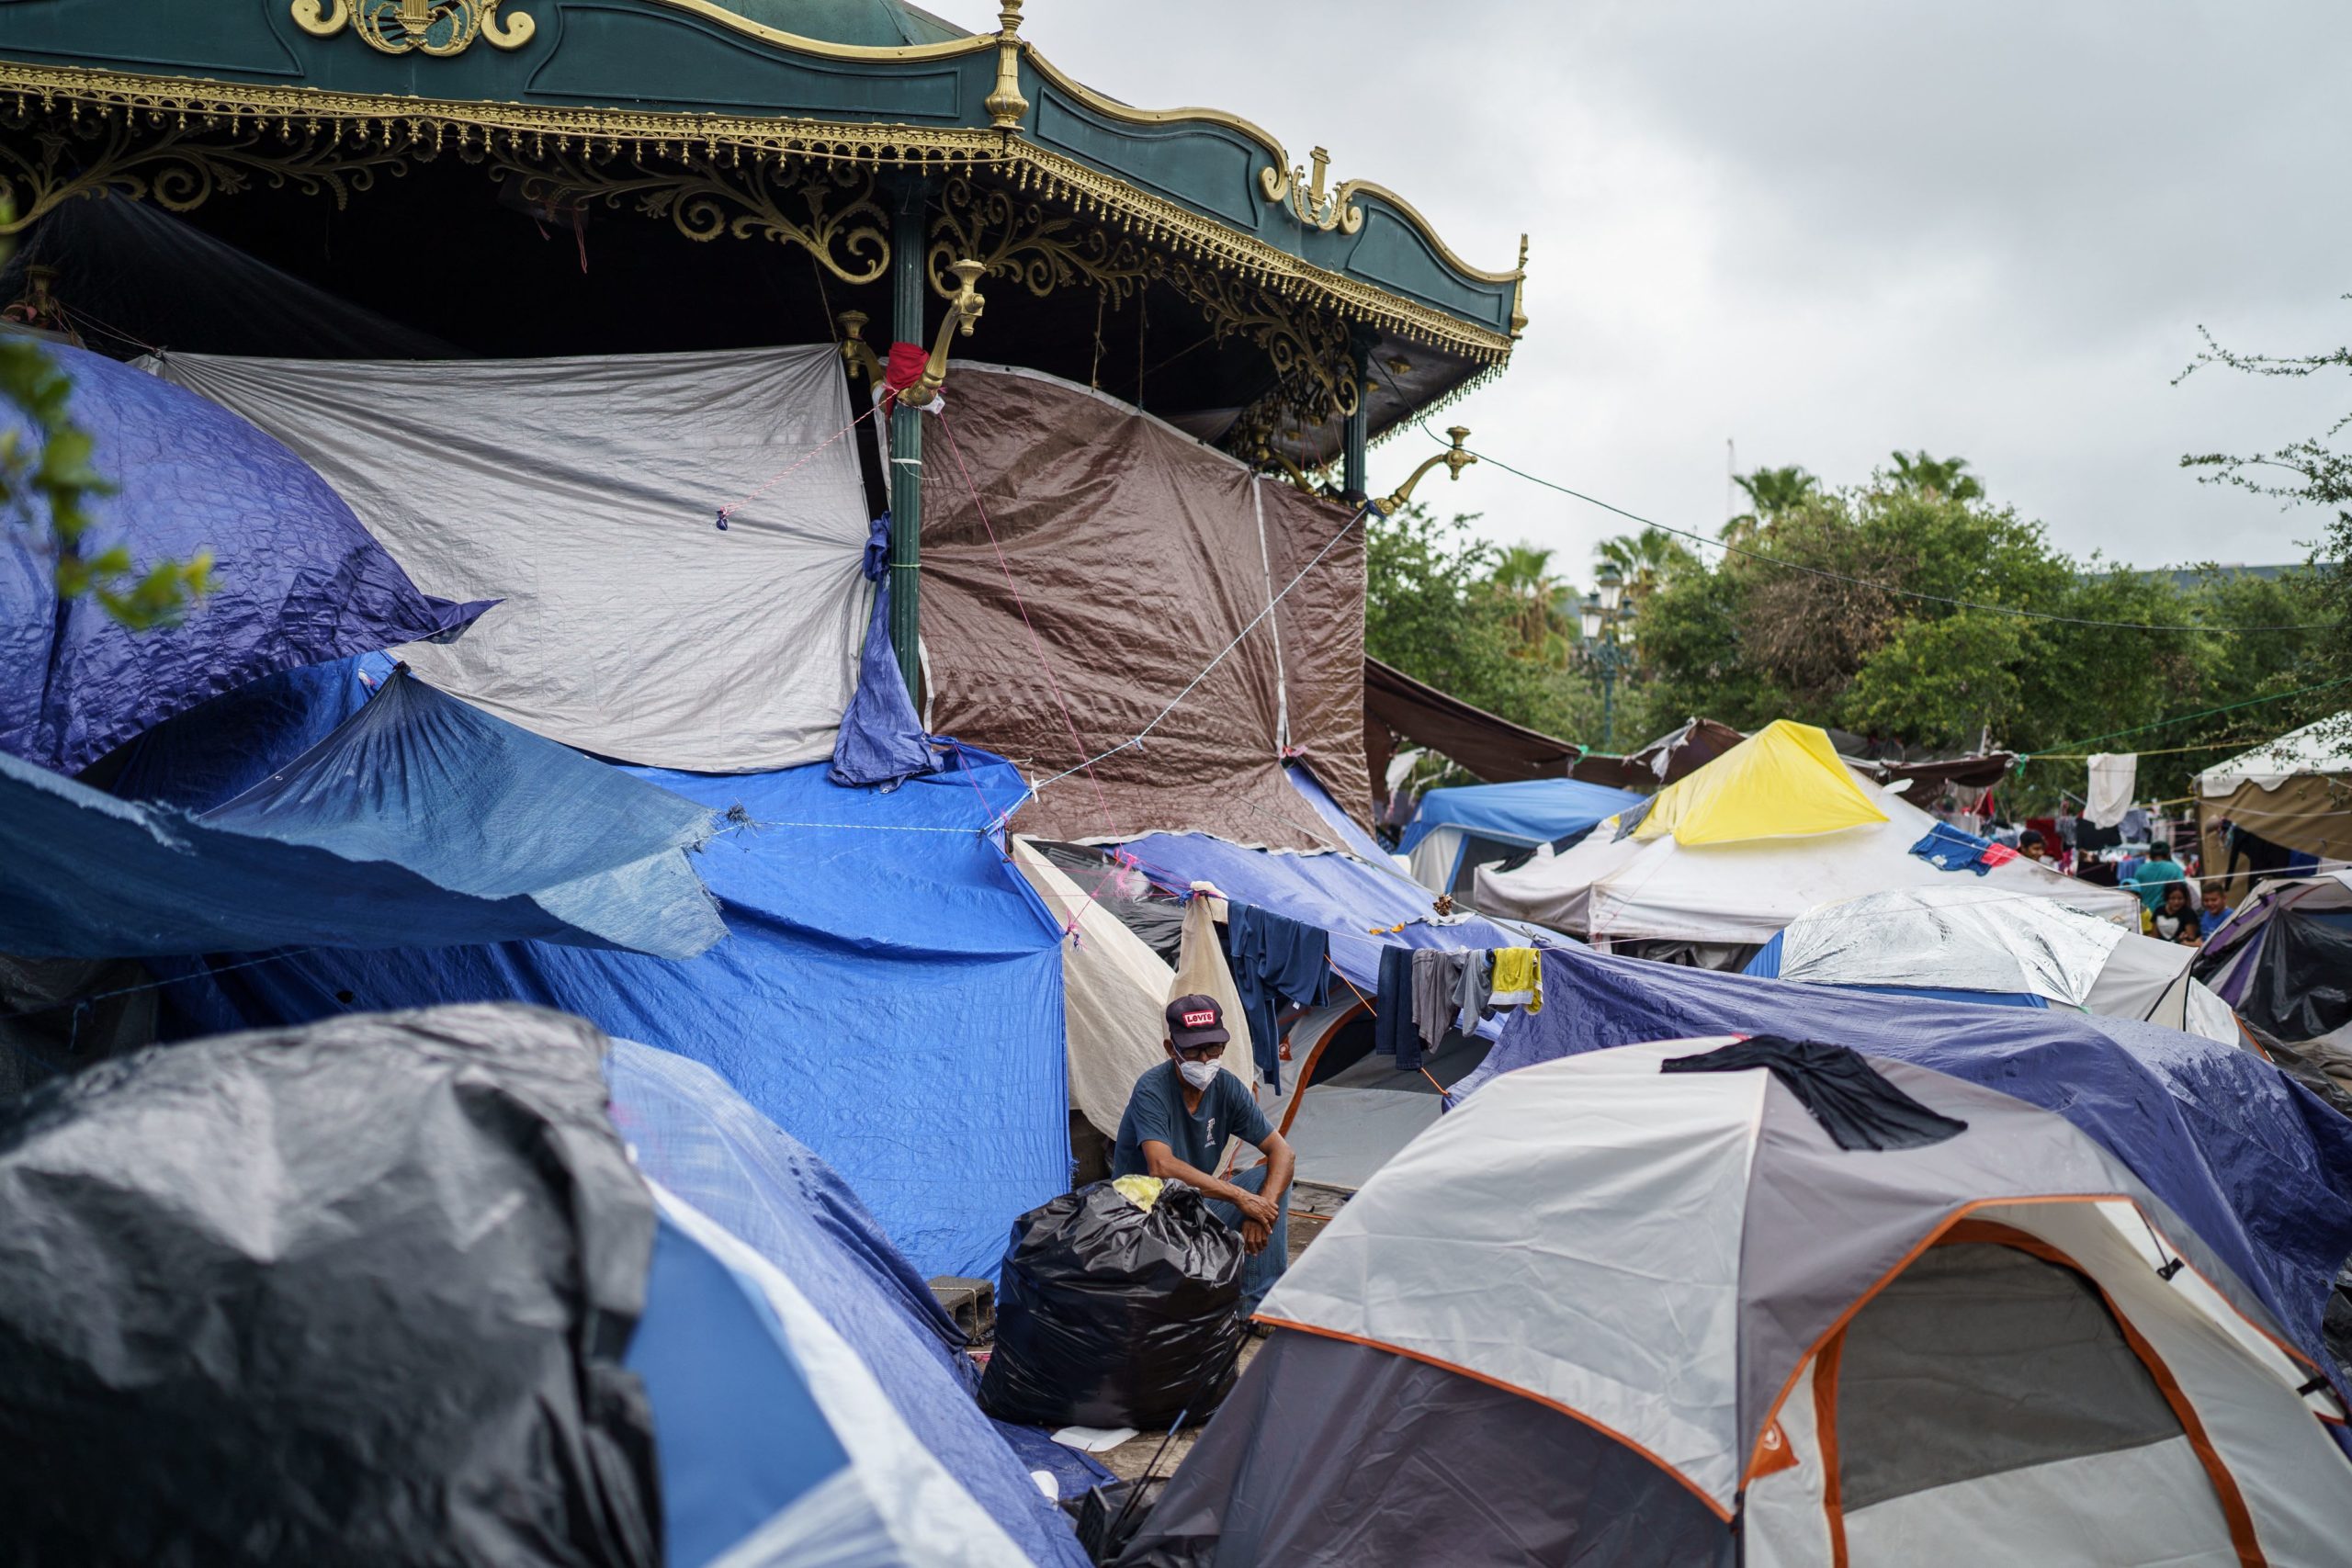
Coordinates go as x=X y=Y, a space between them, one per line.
x=1601 y=615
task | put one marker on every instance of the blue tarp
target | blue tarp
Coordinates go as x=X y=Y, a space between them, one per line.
x=2260 y=1166
x=890 y=994
x=881 y=740
x=697 y=1137
x=1538 y=811
x=1336 y=893
x=419 y=820
x=1948 y=848
x=1357 y=840
x=1766 y=966
x=299 y=578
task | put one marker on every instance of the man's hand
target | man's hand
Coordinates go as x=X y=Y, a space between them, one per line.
x=1257 y=1211
x=1254 y=1237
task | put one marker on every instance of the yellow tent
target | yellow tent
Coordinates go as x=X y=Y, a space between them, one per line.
x=1783 y=782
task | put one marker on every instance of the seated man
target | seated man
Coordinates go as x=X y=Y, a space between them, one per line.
x=1177 y=1120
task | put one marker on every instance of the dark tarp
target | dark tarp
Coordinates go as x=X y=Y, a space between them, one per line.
x=2250 y=1159
x=355 y=1292
x=1139 y=556
x=1663 y=761
x=420 y=821
x=299 y=579
x=1927 y=777
x=1331 y=1455
x=881 y=741
x=1493 y=748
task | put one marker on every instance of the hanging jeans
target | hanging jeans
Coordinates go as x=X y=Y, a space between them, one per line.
x=1258 y=1273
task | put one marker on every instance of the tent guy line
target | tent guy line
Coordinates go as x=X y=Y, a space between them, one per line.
x=1856 y=581
x=2184 y=718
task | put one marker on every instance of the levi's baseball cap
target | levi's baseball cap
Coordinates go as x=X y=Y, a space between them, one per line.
x=1196 y=1020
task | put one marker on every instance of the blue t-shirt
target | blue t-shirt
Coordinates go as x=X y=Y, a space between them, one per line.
x=1156 y=1112
x=2208 y=922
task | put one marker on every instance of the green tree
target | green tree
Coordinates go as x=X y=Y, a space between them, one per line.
x=1937 y=477
x=1769 y=491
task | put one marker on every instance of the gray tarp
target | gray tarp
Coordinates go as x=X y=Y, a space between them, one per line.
x=584 y=493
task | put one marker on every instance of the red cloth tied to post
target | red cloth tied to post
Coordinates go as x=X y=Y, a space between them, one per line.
x=908 y=361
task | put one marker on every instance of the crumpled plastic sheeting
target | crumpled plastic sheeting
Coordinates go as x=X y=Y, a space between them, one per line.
x=352 y=1292
x=417 y=822
x=2257 y=1164
x=698 y=1138
x=1959 y=939
x=298 y=579
x=881 y=739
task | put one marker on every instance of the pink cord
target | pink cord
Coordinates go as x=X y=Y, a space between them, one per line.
x=782 y=474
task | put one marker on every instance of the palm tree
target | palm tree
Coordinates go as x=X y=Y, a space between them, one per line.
x=1522 y=575
x=1938 y=478
x=1647 y=562
x=1771 y=491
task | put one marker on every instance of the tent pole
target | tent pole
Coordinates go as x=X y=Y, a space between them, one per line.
x=907 y=289
x=1358 y=426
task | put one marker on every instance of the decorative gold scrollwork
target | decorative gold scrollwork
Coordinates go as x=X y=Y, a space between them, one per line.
x=1039 y=248
x=1315 y=206
x=1044 y=248
x=845 y=229
x=178 y=168
x=437 y=27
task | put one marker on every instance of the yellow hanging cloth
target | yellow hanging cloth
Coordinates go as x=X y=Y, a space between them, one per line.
x=1519 y=978
x=1785 y=781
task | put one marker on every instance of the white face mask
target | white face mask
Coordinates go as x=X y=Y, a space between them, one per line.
x=1200 y=1074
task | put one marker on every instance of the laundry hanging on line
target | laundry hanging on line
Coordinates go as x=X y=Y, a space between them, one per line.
x=1274 y=960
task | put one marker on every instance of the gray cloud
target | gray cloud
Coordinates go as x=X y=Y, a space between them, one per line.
x=1828 y=230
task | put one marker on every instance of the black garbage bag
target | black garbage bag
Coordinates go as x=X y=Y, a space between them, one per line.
x=355 y=1294
x=1108 y=1315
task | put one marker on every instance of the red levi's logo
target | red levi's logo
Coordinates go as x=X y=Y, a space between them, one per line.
x=1198 y=1020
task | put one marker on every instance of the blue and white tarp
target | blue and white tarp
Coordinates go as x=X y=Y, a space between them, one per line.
x=2253 y=1160
x=1766 y=966
x=698 y=1138
x=1352 y=839
x=298 y=579
x=1338 y=894
x=777 y=1444
x=1534 y=811
x=890 y=993
x=418 y=821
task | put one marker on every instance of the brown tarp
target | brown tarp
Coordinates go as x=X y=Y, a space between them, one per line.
x=1670 y=757
x=1136 y=552
x=1493 y=748
x=2312 y=813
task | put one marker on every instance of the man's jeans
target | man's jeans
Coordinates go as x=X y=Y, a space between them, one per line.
x=1258 y=1273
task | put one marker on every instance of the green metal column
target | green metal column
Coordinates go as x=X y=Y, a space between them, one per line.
x=1358 y=429
x=908 y=291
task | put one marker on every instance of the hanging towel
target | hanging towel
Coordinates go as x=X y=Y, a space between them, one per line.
x=2113 y=774
x=1473 y=998
x=1519 y=979
x=1854 y=1102
x=1275 y=960
x=1392 y=1034
x=1437 y=981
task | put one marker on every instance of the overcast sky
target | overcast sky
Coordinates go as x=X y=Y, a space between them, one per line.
x=1829 y=229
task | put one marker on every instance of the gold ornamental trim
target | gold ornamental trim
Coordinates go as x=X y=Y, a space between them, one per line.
x=436 y=27
x=331 y=128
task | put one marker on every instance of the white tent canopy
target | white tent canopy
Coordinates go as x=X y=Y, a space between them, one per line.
x=1972 y=938
x=1611 y=889
x=2324 y=747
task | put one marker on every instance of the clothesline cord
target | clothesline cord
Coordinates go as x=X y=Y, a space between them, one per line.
x=1726 y=546
x=2184 y=718
x=774 y=479
x=92 y=1001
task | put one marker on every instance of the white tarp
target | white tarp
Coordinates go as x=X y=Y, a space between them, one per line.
x=1633 y=889
x=585 y=492
x=2322 y=748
